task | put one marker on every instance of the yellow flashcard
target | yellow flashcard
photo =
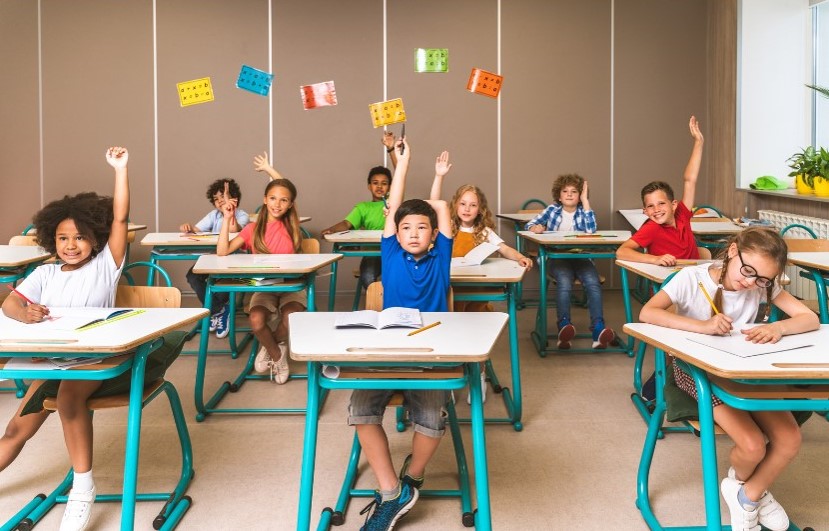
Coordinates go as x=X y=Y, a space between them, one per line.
x=195 y=91
x=387 y=112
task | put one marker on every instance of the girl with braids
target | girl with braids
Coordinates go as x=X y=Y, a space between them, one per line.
x=765 y=441
x=276 y=231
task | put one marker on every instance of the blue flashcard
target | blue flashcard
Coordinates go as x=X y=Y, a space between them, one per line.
x=254 y=80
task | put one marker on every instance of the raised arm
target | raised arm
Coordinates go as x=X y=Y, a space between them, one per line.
x=260 y=163
x=442 y=167
x=444 y=218
x=225 y=247
x=117 y=157
x=398 y=186
x=388 y=142
x=692 y=169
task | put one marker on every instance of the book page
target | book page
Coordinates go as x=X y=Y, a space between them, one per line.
x=397 y=316
x=476 y=256
x=366 y=318
x=736 y=344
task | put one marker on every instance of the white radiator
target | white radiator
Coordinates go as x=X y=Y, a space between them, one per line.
x=800 y=287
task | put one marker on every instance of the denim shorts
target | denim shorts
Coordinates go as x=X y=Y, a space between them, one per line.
x=427 y=408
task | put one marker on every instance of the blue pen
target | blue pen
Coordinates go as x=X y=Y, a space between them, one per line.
x=385 y=205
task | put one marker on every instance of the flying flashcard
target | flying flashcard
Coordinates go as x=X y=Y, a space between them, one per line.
x=483 y=82
x=318 y=95
x=431 y=59
x=254 y=80
x=195 y=91
x=387 y=112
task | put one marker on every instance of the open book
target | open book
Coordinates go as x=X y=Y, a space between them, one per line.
x=388 y=318
x=113 y=316
x=476 y=256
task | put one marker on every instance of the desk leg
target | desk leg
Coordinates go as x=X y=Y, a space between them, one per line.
x=312 y=292
x=516 y=409
x=539 y=335
x=202 y=356
x=820 y=286
x=483 y=517
x=133 y=436
x=628 y=309
x=708 y=449
x=309 y=448
x=642 y=495
x=332 y=285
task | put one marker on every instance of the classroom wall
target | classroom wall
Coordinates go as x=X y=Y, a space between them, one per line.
x=599 y=87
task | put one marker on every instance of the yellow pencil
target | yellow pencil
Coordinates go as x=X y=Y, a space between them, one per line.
x=427 y=327
x=707 y=296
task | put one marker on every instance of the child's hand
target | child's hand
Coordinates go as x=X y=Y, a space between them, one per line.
x=407 y=153
x=693 y=126
x=117 y=157
x=666 y=260
x=442 y=165
x=388 y=139
x=538 y=229
x=187 y=228
x=768 y=333
x=583 y=196
x=386 y=211
x=35 y=313
x=228 y=207
x=525 y=262
x=718 y=325
x=260 y=162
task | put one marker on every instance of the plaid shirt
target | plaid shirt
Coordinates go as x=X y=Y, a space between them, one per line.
x=583 y=220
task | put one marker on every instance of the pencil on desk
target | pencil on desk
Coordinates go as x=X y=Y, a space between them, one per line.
x=427 y=327
x=708 y=297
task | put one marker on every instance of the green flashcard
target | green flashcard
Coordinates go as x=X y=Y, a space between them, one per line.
x=431 y=59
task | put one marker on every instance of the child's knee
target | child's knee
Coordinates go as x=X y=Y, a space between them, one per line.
x=258 y=318
x=72 y=397
x=752 y=446
x=788 y=441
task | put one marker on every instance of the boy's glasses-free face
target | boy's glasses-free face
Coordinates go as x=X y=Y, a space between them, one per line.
x=749 y=272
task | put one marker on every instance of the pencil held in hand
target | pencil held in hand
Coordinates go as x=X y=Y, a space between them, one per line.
x=708 y=297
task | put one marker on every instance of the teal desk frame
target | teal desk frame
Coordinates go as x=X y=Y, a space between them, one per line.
x=349 y=249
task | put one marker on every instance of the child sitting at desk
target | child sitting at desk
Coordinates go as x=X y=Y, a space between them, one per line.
x=571 y=211
x=368 y=215
x=212 y=223
x=667 y=232
x=414 y=276
x=276 y=231
x=751 y=263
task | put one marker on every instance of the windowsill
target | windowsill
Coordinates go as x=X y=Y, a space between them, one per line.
x=789 y=193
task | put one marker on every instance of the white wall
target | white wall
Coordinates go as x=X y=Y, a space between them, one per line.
x=773 y=104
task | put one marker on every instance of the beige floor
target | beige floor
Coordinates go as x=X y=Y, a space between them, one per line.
x=573 y=467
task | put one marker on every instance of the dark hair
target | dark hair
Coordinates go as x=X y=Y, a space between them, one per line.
x=218 y=187
x=563 y=181
x=290 y=219
x=91 y=213
x=655 y=186
x=758 y=240
x=416 y=207
x=378 y=170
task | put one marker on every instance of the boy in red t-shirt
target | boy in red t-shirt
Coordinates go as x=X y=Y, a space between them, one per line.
x=667 y=232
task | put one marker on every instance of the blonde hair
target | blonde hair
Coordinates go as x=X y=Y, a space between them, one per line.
x=758 y=240
x=290 y=219
x=483 y=220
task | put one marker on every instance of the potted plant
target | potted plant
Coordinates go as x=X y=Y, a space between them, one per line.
x=821 y=180
x=804 y=166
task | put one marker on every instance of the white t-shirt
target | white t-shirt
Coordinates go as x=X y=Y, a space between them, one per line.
x=491 y=237
x=567 y=222
x=741 y=306
x=93 y=285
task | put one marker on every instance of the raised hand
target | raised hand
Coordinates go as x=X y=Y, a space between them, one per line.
x=228 y=207
x=583 y=196
x=442 y=165
x=117 y=157
x=260 y=162
x=693 y=127
x=388 y=139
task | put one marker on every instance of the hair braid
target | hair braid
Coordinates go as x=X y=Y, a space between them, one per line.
x=718 y=295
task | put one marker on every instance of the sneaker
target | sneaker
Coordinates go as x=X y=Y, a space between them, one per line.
x=280 y=371
x=223 y=323
x=262 y=362
x=386 y=514
x=741 y=518
x=566 y=334
x=772 y=515
x=214 y=319
x=406 y=478
x=78 y=509
x=483 y=391
x=604 y=338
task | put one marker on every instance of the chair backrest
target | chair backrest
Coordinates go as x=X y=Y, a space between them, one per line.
x=374 y=297
x=22 y=240
x=807 y=245
x=708 y=207
x=526 y=205
x=798 y=227
x=131 y=296
x=704 y=253
x=310 y=246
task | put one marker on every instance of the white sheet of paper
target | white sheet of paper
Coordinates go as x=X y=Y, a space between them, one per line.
x=476 y=256
x=737 y=345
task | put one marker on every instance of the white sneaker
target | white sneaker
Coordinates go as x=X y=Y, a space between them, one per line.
x=772 y=515
x=483 y=390
x=280 y=370
x=262 y=360
x=78 y=509
x=741 y=519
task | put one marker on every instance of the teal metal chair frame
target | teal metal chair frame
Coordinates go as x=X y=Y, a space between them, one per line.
x=707 y=207
x=349 y=249
x=176 y=503
x=804 y=228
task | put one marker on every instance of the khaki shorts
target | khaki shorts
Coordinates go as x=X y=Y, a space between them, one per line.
x=274 y=301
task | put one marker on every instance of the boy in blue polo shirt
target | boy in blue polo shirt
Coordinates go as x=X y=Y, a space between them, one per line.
x=415 y=275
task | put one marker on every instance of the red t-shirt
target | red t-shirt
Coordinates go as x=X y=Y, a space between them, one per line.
x=277 y=238
x=678 y=241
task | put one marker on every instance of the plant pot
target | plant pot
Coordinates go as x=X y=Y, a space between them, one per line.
x=822 y=186
x=802 y=186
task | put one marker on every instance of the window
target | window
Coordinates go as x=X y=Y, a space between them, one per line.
x=820 y=110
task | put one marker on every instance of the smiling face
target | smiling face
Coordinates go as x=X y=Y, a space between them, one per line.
x=746 y=268
x=278 y=202
x=569 y=198
x=467 y=209
x=659 y=208
x=378 y=185
x=415 y=234
x=73 y=248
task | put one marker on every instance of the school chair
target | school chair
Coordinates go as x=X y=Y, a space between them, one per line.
x=810 y=245
x=798 y=226
x=531 y=251
x=28 y=239
x=525 y=206
x=707 y=207
x=176 y=503
x=336 y=516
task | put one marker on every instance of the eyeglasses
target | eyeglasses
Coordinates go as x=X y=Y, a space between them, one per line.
x=749 y=272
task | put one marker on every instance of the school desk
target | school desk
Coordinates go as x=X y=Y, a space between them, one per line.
x=351 y=243
x=519 y=219
x=816 y=265
x=135 y=337
x=174 y=246
x=768 y=382
x=496 y=279
x=461 y=338
x=17 y=261
x=561 y=245
x=252 y=217
x=230 y=274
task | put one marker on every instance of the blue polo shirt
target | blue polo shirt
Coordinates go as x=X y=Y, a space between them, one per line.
x=410 y=283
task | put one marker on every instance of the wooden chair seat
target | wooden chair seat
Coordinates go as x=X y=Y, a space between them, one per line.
x=770 y=391
x=108 y=402
x=717 y=430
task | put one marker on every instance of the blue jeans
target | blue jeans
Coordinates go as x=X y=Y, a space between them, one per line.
x=370 y=269
x=199 y=285
x=565 y=272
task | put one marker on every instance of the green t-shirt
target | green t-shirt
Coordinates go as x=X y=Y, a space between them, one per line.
x=367 y=215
